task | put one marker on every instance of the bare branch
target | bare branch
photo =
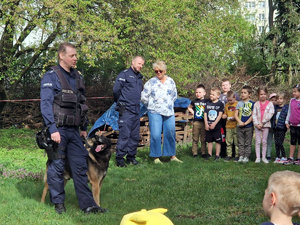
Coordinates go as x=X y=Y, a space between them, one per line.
x=26 y=31
x=37 y=53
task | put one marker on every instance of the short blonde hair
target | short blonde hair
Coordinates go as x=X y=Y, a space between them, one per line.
x=217 y=90
x=160 y=65
x=286 y=185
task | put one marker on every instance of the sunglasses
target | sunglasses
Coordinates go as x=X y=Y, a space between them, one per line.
x=158 y=71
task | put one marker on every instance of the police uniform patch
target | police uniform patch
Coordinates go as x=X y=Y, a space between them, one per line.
x=47 y=85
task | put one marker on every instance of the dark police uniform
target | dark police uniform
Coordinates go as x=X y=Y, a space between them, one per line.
x=127 y=93
x=61 y=108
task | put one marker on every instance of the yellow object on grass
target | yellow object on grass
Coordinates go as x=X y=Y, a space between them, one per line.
x=144 y=217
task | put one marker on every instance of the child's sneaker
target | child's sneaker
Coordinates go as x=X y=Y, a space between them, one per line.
x=265 y=160
x=241 y=159
x=236 y=159
x=277 y=160
x=257 y=160
x=282 y=160
x=289 y=161
x=227 y=159
x=297 y=162
x=245 y=160
x=217 y=158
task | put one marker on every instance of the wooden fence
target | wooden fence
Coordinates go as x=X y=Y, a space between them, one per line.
x=183 y=127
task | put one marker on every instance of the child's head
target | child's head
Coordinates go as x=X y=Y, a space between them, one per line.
x=262 y=93
x=273 y=98
x=280 y=98
x=215 y=93
x=296 y=91
x=200 y=91
x=231 y=97
x=226 y=85
x=283 y=193
x=246 y=92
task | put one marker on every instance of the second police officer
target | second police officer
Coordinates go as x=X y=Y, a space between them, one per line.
x=127 y=94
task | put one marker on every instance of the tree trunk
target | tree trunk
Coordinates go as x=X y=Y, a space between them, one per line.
x=3 y=96
x=271 y=14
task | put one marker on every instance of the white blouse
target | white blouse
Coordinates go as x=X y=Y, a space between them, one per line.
x=159 y=97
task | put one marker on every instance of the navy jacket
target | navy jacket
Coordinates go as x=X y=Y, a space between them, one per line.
x=127 y=89
x=281 y=119
x=50 y=86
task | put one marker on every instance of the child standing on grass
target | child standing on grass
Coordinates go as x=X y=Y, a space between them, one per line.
x=243 y=116
x=226 y=87
x=262 y=114
x=212 y=116
x=282 y=198
x=281 y=110
x=293 y=123
x=272 y=98
x=197 y=107
x=231 y=136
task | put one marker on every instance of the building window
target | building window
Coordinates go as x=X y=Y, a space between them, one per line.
x=250 y=5
x=250 y=17
x=261 y=29
x=261 y=16
x=262 y=4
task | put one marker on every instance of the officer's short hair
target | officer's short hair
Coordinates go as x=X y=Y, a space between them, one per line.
x=137 y=56
x=62 y=48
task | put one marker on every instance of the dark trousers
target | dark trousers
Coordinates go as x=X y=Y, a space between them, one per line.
x=129 y=135
x=279 y=136
x=223 y=152
x=71 y=150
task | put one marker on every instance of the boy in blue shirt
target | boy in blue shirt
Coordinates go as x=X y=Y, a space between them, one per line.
x=243 y=116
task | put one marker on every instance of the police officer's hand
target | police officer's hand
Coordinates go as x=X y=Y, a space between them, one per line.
x=83 y=134
x=55 y=137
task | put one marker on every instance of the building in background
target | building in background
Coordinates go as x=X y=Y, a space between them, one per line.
x=257 y=12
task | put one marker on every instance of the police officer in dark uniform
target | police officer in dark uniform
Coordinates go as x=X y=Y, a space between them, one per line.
x=127 y=94
x=64 y=110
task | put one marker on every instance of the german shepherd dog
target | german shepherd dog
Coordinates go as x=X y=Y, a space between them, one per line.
x=98 y=162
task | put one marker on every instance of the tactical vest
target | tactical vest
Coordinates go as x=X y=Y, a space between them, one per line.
x=69 y=106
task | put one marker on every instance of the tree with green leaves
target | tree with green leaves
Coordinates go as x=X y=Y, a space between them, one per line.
x=281 y=46
x=197 y=39
x=30 y=29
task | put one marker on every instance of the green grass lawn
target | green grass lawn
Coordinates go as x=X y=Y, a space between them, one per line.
x=195 y=192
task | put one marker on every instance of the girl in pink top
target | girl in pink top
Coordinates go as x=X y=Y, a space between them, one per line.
x=262 y=113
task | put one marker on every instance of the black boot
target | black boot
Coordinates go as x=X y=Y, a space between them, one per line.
x=60 y=208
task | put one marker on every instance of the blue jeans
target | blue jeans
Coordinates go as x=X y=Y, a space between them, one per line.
x=157 y=124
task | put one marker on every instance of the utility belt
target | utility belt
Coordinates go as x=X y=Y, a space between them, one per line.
x=121 y=107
